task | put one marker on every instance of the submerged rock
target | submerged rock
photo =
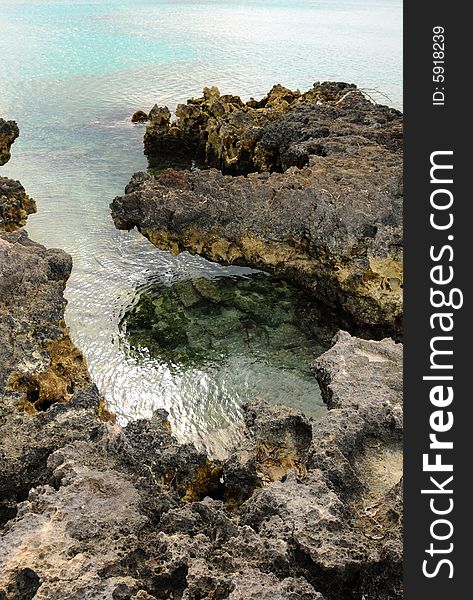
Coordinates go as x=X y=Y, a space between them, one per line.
x=331 y=222
x=40 y=365
x=197 y=322
x=8 y=133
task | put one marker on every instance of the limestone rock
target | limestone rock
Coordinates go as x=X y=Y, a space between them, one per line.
x=274 y=133
x=315 y=196
x=105 y=511
x=39 y=364
x=340 y=504
x=334 y=227
x=301 y=510
x=139 y=117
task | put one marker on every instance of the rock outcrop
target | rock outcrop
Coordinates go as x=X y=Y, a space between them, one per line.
x=139 y=117
x=283 y=129
x=39 y=365
x=331 y=221
x=199 y=321
x=15 y=205
x=8 y=133
x=301 y=510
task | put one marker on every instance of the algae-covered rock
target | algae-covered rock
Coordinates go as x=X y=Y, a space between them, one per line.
x=15 y=205
x=274 y=133
x=139 y=116
x=203 y=321
x=39 y=364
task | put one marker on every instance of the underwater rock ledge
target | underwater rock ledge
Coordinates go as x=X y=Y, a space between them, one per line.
x=301 y=510
x=314 y=193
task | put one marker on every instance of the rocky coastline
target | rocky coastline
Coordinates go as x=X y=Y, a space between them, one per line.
x=305 y=186
x=301 y=509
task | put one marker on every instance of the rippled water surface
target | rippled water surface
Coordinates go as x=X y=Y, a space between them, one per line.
x=72 y=72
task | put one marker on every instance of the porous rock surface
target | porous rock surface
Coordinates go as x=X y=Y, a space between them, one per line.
x=15 y=205
x=279 y=131
x=315 y=193
x=108 y=512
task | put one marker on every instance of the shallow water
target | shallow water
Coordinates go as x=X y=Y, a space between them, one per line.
x=72 y=72
x=219 y=340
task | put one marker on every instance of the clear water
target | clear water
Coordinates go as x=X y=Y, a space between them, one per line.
x=71 y=74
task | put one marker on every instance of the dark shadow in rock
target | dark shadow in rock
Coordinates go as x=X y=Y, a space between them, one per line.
x=27 y=584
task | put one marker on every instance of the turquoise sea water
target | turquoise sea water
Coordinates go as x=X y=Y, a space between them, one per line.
x=72 y=72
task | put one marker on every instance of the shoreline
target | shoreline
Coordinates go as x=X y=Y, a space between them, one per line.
x=301 y=508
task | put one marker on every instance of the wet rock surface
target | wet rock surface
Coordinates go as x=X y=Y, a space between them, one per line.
x=8 y=133
x=330 y=222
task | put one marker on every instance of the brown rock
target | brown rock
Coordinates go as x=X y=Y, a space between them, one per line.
x=139 y=117
x=8 y=133
x=15 y=205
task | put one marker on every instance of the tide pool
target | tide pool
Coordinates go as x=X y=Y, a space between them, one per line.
x=72 y=73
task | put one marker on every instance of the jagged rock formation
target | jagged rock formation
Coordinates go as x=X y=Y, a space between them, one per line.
x=39 y=365
x=15 y=205
x=282 y=130
x=8 y=133
x=301 y=509
x=293 y=513
x=330 y=222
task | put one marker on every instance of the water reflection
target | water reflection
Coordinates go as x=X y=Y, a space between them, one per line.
x=212 y=343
